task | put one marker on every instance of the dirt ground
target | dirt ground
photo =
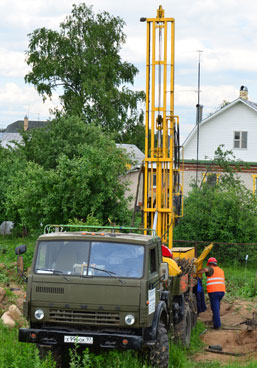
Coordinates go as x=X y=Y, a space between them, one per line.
x=19 y=295
x=232 y=337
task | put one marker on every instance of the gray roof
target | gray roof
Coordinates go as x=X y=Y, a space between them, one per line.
x=7 y=138
x=19 y=125
x=133 y=152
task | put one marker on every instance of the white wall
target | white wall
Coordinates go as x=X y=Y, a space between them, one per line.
x=220 y=130
x=132 y=178
x=190 y=176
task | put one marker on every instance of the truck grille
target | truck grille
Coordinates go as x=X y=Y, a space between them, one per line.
x=47 y=289
x=85 y=317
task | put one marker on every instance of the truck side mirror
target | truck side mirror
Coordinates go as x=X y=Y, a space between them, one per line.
x=20 y=249
x=20 y=264
x=164 y=272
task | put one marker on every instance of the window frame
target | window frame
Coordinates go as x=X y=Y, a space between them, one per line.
x=206 y=174
x=240 y=139
x=153 y=261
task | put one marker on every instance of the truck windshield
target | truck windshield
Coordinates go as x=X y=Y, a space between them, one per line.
x=105 y=259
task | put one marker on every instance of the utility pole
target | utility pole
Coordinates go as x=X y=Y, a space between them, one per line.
x=198 y=114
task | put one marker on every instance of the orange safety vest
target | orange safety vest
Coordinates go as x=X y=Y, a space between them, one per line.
x=216 y=282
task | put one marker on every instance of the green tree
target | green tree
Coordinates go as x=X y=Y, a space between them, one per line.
x=63 y=135
x=134 y=135
x=230 y=166
x=82 y=62
x=11 y=165
x=81 y=179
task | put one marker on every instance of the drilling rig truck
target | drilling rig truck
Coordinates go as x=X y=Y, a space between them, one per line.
x=115 y=290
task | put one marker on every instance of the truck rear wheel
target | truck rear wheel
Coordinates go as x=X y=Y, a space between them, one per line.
x=182 y=330
x=159 y=353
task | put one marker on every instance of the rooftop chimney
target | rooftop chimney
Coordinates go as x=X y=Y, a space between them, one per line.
x=26 y=123
x=243 y=93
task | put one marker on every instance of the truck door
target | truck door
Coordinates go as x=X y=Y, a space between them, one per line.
x=153 y=280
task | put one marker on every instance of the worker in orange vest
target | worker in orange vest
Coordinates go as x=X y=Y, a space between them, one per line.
x=215 y=288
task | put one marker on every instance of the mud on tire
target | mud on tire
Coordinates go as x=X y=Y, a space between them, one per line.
x=159 y=353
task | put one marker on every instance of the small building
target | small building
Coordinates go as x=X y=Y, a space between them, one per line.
x=235 y=127
x=25 y=124
x=12 y=132
x=9 y=139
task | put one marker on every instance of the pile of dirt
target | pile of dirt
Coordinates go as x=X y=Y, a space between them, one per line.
x=237 y=341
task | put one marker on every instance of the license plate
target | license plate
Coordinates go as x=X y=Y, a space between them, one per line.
x=79 y=339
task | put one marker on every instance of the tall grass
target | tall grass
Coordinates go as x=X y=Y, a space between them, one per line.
x=21 y=355
x=241 y=281
x=18 y=355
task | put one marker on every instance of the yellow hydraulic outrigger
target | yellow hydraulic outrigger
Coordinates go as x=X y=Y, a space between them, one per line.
x=162 y=182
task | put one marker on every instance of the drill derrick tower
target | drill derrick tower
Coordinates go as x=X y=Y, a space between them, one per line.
x=162 y=188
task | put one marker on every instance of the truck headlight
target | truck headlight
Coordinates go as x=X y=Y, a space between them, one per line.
x=130 y=319
x=39 y=314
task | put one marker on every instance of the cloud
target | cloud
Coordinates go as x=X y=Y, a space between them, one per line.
x=12 y=63
x=210 y=95
x=225 y=30
x=16 y=100
x=241 y=59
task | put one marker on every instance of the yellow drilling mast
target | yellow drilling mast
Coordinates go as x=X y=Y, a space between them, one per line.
x=162 y=188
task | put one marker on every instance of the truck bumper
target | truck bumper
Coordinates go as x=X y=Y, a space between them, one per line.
x=87 y=338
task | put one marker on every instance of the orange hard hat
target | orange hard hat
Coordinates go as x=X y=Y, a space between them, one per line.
x=212 y=260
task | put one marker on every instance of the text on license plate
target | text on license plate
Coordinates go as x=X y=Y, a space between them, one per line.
x=79 y=339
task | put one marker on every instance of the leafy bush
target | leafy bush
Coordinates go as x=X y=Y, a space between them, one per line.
x=216 y=214
x=225 y=212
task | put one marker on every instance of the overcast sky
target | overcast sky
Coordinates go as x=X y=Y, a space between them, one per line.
x=225 y=30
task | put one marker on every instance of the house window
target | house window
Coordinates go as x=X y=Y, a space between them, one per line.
x=211 y=178
x=240 y=139
x=254 y=184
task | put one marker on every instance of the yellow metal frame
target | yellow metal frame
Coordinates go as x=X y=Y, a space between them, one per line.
x=254 y=183
x=162 y=130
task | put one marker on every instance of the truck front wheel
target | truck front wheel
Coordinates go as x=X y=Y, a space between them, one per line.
x=159 y=352
x=57 y=354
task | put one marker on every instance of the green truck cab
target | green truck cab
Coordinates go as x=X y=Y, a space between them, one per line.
x=105 y=290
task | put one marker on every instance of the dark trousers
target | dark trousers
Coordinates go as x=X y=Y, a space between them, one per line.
x=215 y=299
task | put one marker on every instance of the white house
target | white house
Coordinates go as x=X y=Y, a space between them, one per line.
x=235 y=127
